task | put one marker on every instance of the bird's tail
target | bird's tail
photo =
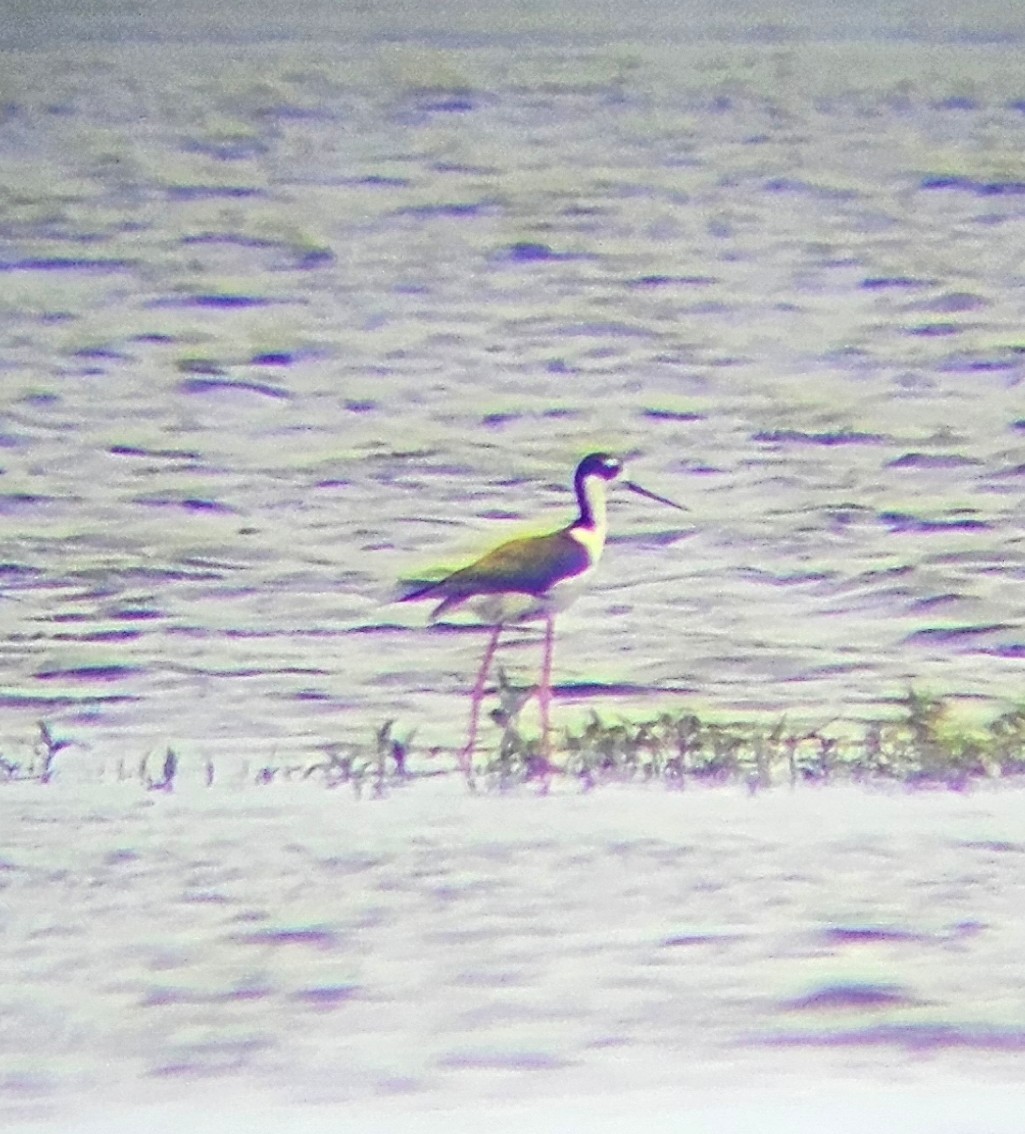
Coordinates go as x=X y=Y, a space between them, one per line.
x=415 y=589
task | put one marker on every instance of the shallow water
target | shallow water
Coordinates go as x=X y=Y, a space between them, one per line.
x=288 y=312
x=284 y=322
x=290 y=952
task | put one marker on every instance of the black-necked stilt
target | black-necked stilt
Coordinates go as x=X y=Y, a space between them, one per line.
x=533 y=578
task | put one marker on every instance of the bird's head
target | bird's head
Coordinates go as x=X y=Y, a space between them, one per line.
x=604 y=467
x=600 y=465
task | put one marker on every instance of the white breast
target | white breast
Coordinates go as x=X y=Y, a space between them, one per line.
x=592 y=540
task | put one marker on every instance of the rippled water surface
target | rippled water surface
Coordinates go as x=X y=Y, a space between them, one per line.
x=284 y=322
x=198 y=960
x=291 y=311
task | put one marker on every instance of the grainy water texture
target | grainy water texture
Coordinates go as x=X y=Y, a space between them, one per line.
x=299 y=301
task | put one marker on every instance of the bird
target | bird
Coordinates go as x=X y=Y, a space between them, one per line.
x=532 y=578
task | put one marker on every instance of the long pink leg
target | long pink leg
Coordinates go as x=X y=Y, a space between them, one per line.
x=466 y=756
x=544 y=694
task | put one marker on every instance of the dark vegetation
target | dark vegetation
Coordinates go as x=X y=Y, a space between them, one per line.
x=924 y=744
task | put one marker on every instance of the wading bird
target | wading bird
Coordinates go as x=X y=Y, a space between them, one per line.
x=533 y=578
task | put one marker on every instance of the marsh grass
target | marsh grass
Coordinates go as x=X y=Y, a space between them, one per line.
x=168 y=772
x=365 y=771
x=927 y=743
x=40 y=763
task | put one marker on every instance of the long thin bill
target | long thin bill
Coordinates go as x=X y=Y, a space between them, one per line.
x=653 y=495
